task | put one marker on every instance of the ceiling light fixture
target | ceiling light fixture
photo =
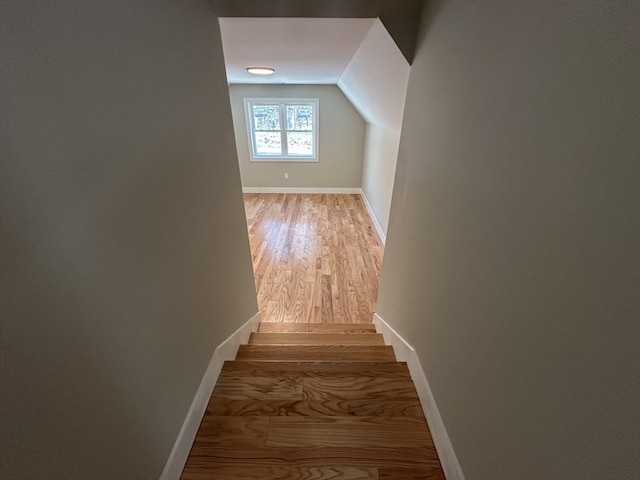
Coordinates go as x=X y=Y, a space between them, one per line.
x=261 y=70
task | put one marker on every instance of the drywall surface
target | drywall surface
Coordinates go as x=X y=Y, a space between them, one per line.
x=378 y=172
x=301 y=50
x=512 y=261
x=400 y=17
x=376 y=83
x=125 y=259
x=376 y=79
x=340 y=146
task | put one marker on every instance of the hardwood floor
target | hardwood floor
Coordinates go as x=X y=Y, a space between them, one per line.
x=315 y=394
x=350 y=412
x=316 y=258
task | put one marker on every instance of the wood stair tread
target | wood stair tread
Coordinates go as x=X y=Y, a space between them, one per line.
x=337 y=328
x=313 y=473
x=285 y=473
x=205 y=455
x=317 y=404
x=324 y=387
x=320 y=388
x=260 y=338
x=302 y=353
x=315 y=393
x=382 y=407
x=313 y=432
x=316 y=400
x=310 y=368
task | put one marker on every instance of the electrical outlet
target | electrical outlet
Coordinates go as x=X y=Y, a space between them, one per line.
x=286 y=175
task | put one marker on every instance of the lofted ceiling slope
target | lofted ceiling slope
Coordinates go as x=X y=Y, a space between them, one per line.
x=400 y=17
x=356 y=54
x=338 y=42
x=302 y=50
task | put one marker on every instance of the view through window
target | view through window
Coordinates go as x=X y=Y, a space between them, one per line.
x=282 y=129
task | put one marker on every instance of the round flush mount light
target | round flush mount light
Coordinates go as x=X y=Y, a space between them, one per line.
x=261 y=70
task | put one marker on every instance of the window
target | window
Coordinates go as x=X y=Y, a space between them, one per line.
x=282 y=129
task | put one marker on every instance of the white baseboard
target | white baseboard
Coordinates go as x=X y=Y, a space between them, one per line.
x=376 y=224
x=227 y=350
x=301 y=190
x=406 y=353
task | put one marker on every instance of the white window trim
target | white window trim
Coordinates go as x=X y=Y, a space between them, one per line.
x=282 y=102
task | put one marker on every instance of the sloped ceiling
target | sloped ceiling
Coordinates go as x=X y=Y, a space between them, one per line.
x=302 y=50
x=356 y=54
x=400 y=17
x=370 y=65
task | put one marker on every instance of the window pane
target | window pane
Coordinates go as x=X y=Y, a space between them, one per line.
x=299 y=117
x=266 y=117
x=300 y=143
x=268 y=143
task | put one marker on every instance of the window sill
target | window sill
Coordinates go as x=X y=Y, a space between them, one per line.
x=285 y=159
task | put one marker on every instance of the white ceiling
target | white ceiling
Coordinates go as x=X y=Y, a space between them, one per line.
x=302 y=50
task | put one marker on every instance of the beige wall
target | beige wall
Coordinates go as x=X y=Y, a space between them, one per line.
x=124 y=252
x=340 y=148
x=379 y=169
x=512 y=263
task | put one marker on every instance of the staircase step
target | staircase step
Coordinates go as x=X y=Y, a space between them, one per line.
x=283 y=473
x=327 y=353
x=402 y=407
x=248 y=368
x=401 y=432
x=244 y=441
x=270 y=327
x=339 y=392
x=316 y=339
x=315 y=473
x=290 y=386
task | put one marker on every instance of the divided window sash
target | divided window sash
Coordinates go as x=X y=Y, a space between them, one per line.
x=282 y=129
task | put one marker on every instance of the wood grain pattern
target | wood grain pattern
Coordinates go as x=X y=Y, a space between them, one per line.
x=314 y=410
x=301 y=353
x=316 y=339
x=315 y=395
x=284 y=473
x=295 y=391
x=347 y=432
x=271 y=388
x=433 y=472
x=315 y=473
x=385 y=407
x=360 y=387
x=317 y=328
x=404 y=407
x=316 y=258
x=204 y=456
x=230 y=430
x=314 y=369
x=270 y=408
